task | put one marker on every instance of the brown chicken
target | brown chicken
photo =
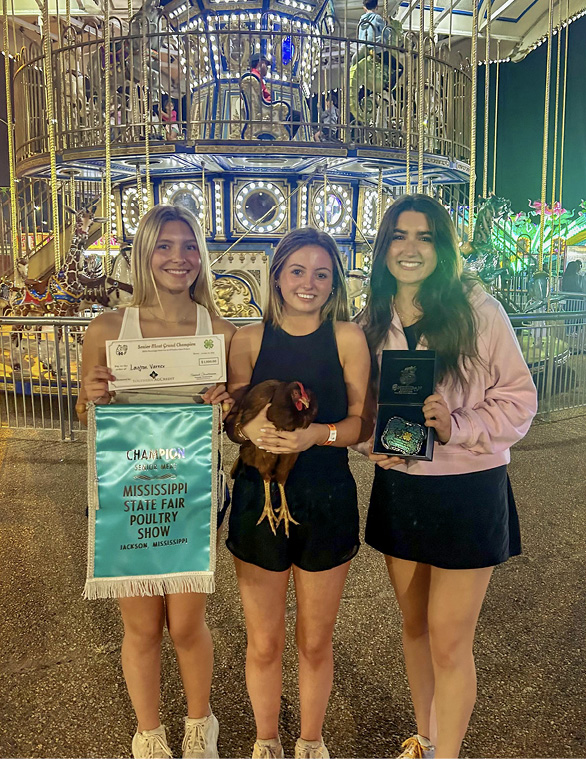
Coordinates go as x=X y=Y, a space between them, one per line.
x=292 y=407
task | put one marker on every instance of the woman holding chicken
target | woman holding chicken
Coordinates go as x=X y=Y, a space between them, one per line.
x=307 y=340
x=443 y=525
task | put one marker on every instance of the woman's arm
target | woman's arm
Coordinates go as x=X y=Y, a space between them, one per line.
x=95 y=375
x=357 y=426
x=510 y=400
x=355 y=360
x=244 y=350
x=218 y=393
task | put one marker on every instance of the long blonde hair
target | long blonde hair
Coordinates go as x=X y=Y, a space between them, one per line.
x=336 y=307
x=147 y=234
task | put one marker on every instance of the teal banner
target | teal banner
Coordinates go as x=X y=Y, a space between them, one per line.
x=153 y=496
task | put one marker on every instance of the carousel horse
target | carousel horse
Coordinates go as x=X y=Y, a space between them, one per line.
x=481 y=255
x=357 y=285
x=5 y=292
x=109 y=290
x=71 y=290
x=61 y=293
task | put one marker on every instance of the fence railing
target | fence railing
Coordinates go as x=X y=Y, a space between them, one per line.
x=40 y=375
x=554 y=347
x=196 y=85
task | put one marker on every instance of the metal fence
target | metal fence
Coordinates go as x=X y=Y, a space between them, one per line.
x=41 y=370
x=195 y=85
x=41 y=373
x=554 y=347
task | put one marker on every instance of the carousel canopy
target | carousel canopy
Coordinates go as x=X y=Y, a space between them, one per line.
x=519 y=25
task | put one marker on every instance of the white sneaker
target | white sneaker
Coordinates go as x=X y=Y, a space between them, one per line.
x=270 y=749
x=151 y=744
x=414 y=749
x=311 y=749
x=201 y=738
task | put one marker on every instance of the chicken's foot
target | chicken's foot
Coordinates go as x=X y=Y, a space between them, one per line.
x=268 y=510
x=282 y=513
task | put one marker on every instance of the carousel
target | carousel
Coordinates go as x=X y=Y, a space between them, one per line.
x=260 y=117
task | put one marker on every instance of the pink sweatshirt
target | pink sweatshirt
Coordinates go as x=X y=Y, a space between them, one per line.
x=495 y=408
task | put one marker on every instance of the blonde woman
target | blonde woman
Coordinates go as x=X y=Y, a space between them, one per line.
x=305 y=337
x=172 y=298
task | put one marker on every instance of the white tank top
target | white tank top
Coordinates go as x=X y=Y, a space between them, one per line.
x=130 y=330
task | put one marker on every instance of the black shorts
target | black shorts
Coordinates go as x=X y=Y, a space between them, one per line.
x=458 y=521
x=321 y=494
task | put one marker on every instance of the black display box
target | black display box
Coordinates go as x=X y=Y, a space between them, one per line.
x=407 y=379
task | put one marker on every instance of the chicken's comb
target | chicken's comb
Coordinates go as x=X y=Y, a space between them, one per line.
x=299 y=405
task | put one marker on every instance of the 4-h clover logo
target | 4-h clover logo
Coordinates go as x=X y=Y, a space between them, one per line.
x=208 y=344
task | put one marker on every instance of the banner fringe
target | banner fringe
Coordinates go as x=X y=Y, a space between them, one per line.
x=125 y=587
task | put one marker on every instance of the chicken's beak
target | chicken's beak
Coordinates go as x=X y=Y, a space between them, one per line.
x=304 y=400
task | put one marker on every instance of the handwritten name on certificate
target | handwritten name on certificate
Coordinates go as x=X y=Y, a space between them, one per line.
x=166 y=361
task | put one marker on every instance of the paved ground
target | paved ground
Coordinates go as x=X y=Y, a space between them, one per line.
x=62 y=690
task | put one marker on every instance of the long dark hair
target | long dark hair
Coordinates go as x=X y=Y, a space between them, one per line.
x=336 y=307
x=448 y=323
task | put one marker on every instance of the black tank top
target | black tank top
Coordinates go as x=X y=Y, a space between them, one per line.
x=313 y=360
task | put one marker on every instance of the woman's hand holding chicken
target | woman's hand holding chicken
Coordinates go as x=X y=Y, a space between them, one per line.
x=255 y=428
x=280 y=441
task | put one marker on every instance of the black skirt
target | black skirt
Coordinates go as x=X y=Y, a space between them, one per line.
x=321 y=494
x=460 y=521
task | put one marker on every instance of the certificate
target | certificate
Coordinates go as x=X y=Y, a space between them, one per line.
x=166 y=361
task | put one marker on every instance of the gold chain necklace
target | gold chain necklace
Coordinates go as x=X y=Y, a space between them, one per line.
x=415 y=317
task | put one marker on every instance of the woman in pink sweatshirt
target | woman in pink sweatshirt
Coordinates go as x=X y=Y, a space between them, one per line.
x=443 y=525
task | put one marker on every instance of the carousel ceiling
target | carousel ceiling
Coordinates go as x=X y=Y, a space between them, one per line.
x=519 y=26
